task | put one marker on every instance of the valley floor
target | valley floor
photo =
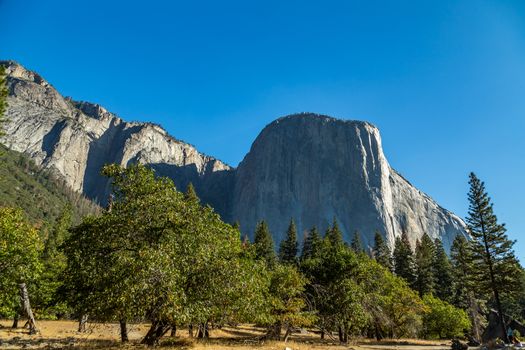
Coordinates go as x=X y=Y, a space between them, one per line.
x=64 y=335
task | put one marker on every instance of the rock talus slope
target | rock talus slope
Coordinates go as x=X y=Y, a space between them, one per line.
x=308 y=167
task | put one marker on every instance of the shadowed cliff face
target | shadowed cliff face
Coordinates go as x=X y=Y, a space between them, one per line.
x=315 y=168
x=308 y=167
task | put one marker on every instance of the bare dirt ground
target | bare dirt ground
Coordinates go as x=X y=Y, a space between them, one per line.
x=64 y=335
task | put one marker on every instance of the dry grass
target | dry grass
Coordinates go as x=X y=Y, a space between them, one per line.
x=64 y=335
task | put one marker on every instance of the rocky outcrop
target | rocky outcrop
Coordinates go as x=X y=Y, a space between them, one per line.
x=77 y=138
x=314 y=168
x=308 y=167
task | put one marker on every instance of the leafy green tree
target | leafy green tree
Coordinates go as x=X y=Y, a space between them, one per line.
x=444 y=278
x=496 y=267
x=48 y=301
x=264 y=246
x=442 y=320
x=158 y=256
x=289 y=246
x=20 y=249
x=3 y=98
x=311 y=244
x=424 y=259
x=404 y=265
x=356 y=244
x=190 y=194
x=381 y=251
x=286 y=302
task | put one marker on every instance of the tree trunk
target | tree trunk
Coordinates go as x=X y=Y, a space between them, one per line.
x=82 y=321
x=15 y=320
x=26 y=307
x=190 y=330
x=173 y=330
x=123 y=331
x=340 y=331
x=287 y=333
x=156 y=331
x=204 y=331
x=322 y=333
x=274 y=331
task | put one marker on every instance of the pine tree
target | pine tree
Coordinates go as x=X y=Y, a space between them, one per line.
x=496 y=267
x=464 y=285
x=264 y=246
x=334 y=236
x=424 y=258
x=289 y=246
x=381 y=252
x=443 y=274
x=311 y=244
x=356 y=244
x=190 y=194
x=404 y=265
x=3 y=99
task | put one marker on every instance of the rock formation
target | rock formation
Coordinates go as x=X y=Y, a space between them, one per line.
x=308 y=167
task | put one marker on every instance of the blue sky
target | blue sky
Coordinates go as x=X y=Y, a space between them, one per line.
x=443 y=80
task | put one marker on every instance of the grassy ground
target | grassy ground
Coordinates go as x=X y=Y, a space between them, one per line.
x=63 y=335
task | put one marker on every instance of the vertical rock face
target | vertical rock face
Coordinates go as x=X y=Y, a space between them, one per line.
x=315 y=168
x=307 y=167
x=77 y=138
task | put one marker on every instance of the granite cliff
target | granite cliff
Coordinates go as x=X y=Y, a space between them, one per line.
x=308 y=167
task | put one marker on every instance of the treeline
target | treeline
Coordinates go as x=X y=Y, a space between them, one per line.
x=156 y=254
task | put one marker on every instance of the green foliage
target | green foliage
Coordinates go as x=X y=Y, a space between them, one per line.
x=40 y=193
x=404 y=265
x=160 y=255
x=334 y=236
x=462 y=269
x=264 y=246
x=442 y=320
x=496 y=269
x=20 y=249
x=443 y=273
x=288 y=247
x=356 y=244
x=311 y=244
x=353 y=293
x=424 y=261
x=285 y=300
x=381 y=252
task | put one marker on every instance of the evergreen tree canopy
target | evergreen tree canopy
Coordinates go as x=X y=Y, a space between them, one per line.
x=334 y=236
x=311 y=244
x=264 y=246
x=356 y=244
x=443 y=274
x=381 y=252
x=424 y=258
x=289 y=246
x=190 y=194
x=404 y=265
x=496 y=269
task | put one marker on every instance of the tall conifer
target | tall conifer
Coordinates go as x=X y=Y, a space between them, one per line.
x=443 y=274
x=264 y=246
x=381 y=251
x=404 y=265
x=424 y=258
x=288 y=247
x=496 y=267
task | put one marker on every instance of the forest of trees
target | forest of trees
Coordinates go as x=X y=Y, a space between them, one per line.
x=158 y=255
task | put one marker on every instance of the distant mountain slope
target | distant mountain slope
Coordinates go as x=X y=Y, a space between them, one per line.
x=40 y=194
x=308 y=167
x=77 y=138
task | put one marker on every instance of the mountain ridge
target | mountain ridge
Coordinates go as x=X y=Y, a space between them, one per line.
x=322 y=166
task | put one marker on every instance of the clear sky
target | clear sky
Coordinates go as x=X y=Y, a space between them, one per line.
x=443 y=80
